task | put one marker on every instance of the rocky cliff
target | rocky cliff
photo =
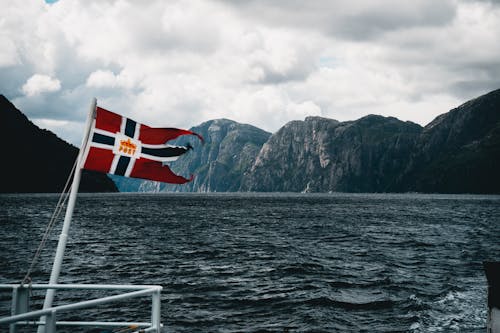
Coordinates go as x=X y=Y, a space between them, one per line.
x=220 y=163
x=322 y=155
x=458 y=152
x=36 y=160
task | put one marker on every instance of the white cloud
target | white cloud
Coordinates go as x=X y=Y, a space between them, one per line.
x=39 y=84
x=102 y=79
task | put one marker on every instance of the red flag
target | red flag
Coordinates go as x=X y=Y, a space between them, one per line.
x=120 y=146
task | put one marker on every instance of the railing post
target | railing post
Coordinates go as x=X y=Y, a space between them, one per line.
x=50 y=322
x=13 y=309
x=156 y=311
x=492 y=270
x=20 y=304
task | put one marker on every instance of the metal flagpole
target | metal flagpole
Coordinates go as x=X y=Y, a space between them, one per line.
x=63 y=237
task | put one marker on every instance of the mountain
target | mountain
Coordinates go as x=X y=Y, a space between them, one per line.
x=219 y=164
x=459 y=151
x=36 y=160
x=321 y=155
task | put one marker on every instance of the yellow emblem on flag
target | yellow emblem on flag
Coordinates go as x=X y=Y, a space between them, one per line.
x=127 y=147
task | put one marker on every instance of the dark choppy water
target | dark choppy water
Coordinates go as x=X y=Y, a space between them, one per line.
x=263 y=263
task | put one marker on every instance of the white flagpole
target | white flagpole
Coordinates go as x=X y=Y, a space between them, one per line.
x=63 y=237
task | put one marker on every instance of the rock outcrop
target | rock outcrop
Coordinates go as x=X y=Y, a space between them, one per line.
x=323 y=155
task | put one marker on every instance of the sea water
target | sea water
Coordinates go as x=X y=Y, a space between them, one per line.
x=268 y=262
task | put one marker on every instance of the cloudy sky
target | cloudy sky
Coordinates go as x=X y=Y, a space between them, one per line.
x=179 y=63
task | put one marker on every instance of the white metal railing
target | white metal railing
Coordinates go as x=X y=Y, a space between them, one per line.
x=20 y=314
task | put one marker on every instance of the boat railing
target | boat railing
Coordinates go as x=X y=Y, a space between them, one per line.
x=21 y=315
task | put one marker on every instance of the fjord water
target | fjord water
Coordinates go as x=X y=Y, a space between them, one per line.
x=270 y=262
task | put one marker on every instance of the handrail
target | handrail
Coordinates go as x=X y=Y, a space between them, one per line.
x=84 y=286
x=50 y=313
x=74 y=306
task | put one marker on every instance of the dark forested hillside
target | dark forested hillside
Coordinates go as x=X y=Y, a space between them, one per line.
x=36 y=160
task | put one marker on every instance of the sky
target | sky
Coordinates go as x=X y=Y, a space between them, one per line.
x=179 y=63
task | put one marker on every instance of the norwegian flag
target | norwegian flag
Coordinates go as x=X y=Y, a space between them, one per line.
x=121 y=146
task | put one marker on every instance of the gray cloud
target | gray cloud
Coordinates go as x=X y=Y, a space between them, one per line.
x=493 y=2
x=473 y=88
x=299 y=70
x=12 y=78
x=369 y=24
x=68 y=106
x=357 y=20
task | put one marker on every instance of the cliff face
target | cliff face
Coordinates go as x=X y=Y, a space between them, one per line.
x=459 y=152
x=321 y=155
x=221 y=162
x=287 y=159
x=36 y=160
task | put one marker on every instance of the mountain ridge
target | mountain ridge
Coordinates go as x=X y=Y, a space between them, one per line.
x=323 y=155
x=457 y=152
x=38 y=160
